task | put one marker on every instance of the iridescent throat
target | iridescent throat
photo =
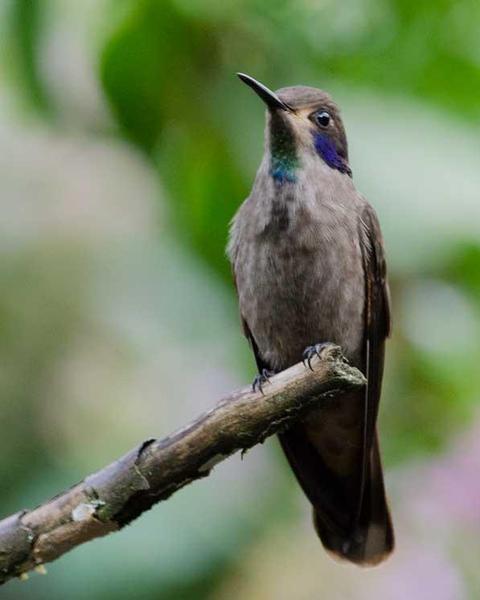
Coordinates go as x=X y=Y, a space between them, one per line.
x=283 y=154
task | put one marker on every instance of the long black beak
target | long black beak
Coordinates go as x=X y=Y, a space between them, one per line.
x=270 y=98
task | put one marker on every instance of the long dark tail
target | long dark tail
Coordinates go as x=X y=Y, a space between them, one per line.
x=352 y=525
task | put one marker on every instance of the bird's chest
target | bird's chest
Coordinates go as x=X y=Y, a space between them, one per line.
x=303 y=282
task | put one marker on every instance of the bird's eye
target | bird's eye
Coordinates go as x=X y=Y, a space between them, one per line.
x=322 y=118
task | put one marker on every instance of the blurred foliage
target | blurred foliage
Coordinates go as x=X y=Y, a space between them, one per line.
x=170 y=75
x=25 y=31
x=166 y=69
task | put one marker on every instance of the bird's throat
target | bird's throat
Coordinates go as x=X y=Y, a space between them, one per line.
x=283 y=151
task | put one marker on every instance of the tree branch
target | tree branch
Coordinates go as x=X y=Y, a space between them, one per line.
x=111 y=498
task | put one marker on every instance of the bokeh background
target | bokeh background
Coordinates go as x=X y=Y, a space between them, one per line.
x=126 y=144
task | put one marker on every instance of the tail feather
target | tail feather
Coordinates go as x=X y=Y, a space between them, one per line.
x=364 y=537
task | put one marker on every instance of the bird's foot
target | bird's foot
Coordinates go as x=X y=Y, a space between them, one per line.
x=261 y=379
x=311 y=351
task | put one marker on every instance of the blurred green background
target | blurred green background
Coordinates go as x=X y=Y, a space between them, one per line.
x=126 y=144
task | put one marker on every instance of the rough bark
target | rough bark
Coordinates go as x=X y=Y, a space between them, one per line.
x=109 y=499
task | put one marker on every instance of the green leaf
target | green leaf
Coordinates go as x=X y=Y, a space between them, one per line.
x=25 y=20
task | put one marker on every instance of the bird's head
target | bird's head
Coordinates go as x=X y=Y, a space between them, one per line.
x=300 y=120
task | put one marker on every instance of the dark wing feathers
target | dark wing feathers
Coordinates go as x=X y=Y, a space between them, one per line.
x=372 y=507
x=377 y=314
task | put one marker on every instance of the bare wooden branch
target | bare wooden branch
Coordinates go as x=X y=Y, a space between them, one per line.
x=111 y=498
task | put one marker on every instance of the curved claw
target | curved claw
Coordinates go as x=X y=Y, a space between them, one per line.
x=261 y=379
x=310 y=352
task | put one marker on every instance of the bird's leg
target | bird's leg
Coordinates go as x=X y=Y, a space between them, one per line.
x=311 y=351
x=261 y=379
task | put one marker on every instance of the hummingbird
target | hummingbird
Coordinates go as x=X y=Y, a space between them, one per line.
x=309 y=267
